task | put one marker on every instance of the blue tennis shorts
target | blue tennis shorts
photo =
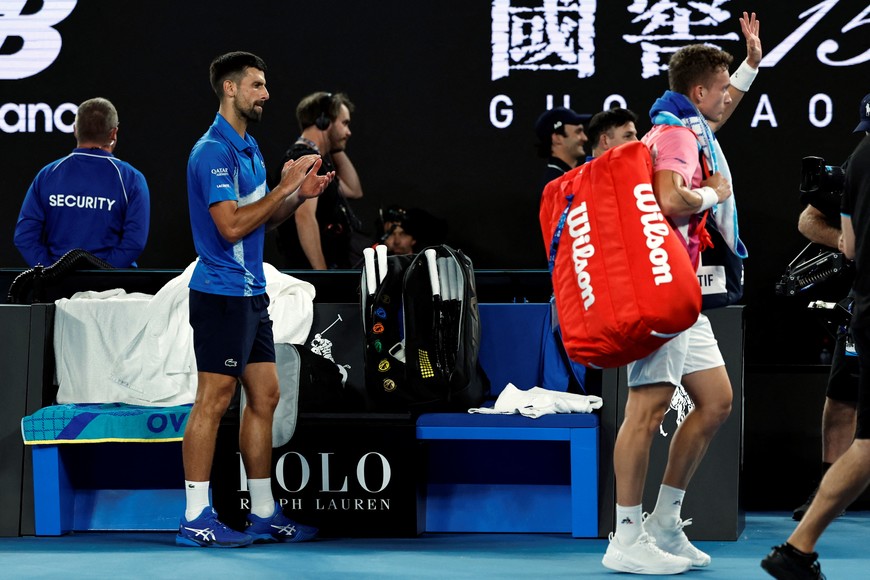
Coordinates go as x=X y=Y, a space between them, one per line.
x=230 y=332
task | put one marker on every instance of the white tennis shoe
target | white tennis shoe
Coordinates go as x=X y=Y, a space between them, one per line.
x=642 y=557
x=673 y=539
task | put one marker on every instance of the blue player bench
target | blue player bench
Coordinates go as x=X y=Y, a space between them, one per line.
x=535 y=489
x=509 y=473
x=485 y=473
x=137 y=491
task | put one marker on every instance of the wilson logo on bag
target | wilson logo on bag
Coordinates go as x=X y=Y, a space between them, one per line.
x=622 y=279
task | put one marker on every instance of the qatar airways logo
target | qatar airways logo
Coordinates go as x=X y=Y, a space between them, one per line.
x=581 y=250
x=30 y=39
x=656 y=229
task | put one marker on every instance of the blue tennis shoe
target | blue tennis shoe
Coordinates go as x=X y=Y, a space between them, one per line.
x=206 y=531
x=278 y=528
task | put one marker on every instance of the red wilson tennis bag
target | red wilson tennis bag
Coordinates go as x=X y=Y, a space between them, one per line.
x=622 y=278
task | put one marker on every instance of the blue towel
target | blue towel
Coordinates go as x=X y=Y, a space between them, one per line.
x=676 y=109
x=104 y=423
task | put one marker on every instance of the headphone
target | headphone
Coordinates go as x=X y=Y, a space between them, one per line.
x=323 y=121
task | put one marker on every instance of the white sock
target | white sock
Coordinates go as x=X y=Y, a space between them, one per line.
x=669 y=504
x=628 y=526
x=196 y=493
x=262 y=501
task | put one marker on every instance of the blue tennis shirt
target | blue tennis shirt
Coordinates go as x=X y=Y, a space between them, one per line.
x=223 y=166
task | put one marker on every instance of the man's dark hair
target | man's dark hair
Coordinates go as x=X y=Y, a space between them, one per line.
x=695 y=64
x=545 y=148
x=604 y=121
x=311 y=107
x=95 y=119
x=232 y=66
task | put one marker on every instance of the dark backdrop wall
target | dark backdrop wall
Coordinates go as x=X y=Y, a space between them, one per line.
x=446 y=93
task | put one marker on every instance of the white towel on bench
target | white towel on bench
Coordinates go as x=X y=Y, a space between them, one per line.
x=158 y=366
x=537 y=401
x=114 y=347
x=88 y=331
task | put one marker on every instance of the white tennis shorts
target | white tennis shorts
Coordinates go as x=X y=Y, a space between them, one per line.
x=695 y=349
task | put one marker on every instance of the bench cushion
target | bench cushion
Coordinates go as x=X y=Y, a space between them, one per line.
x=449 y=426
x=565 y=420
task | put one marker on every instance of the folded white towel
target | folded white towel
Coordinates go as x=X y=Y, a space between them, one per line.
x=537 y=401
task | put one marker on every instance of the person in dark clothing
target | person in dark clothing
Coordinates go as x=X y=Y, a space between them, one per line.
x=849 y=475
x=321 y=235
x=820 y=223
x=561 y=140
x=410 y=231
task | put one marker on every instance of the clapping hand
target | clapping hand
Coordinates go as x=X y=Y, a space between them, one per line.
x=313 y=184
x=296 y=170
x=300 y=175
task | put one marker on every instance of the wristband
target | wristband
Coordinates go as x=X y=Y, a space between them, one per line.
x=708 y=197
x=743 y=77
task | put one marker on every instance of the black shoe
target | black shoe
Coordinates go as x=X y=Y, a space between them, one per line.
x=798 y=513
x=786 y=563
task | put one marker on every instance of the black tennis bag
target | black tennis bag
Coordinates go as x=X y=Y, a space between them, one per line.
x=422 y=333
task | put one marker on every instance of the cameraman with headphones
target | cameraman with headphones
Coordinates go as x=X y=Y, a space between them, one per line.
x=321 y=235
x=820 y=223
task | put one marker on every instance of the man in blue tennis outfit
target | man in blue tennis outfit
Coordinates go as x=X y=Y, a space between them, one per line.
x=230 y=209
x=88 y=200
